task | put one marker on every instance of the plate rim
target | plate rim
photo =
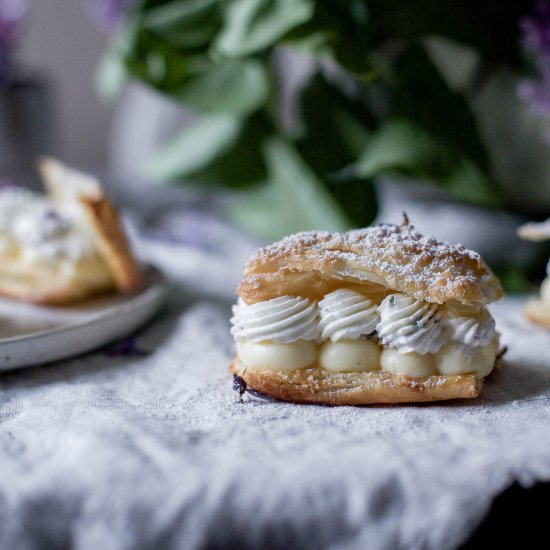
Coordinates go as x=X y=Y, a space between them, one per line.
x=158 y=290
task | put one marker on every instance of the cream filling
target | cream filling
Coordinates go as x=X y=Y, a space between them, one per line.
x=349 y=356
x=281 y=320
x=267 y=355
x=409 y=325
x=455 y=358
x=34 y=229
x=468 y=326
x=409 y=364
x=366 y=356
x=452 y=357
x=347 y=315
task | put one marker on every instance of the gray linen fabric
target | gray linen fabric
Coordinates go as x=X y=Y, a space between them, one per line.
x=156 y=451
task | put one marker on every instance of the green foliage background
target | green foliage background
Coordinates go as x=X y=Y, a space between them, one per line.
x=394 y=114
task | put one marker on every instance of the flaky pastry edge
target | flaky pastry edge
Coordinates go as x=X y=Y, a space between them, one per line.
x=314 y=385
x=376 y=259
x=102 y=219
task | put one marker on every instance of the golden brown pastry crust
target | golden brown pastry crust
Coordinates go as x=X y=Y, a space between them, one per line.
x=538 y=312
x=374 y=259
x=102 y=219
x=314 y=385
x=112 y=243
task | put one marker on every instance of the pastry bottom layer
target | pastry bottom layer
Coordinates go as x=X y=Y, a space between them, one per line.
x=314 y=385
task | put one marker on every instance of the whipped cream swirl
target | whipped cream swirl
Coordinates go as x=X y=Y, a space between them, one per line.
x=281 y=320
x=43 y=231
x=347 y=315
x=47 y=233
x=471 y=330
x=13 y=201
x=409 y=325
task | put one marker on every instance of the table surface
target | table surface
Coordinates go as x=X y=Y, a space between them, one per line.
x=150 y=447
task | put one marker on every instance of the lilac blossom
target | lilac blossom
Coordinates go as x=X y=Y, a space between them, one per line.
x=110 y=13
x=536 y=42
x=12 y=15
x=126 y=346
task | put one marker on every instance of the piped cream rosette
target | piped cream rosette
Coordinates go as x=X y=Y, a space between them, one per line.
x=348 y=332
x=381 y=315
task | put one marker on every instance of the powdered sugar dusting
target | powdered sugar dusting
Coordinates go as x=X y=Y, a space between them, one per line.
x=397 y=256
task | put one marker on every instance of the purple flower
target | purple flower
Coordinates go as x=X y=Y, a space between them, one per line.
x=12 y=15
x=536 y=42
x=124 y=347
x=110 y=13
x=537 y=94
x=536 y=30
x=6 y=183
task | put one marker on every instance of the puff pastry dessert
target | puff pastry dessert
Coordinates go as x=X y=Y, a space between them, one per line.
x=376 y=315
x=64 y=246
x=538 y=310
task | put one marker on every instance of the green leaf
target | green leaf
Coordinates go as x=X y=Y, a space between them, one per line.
x=193 y=148
x=340 y=30
x=335 y=127
x=491 y=26
x=311 y=42
x=293 y=200
x=192 y=76
x=336 y=131
x=358 y=198
x=252 y=25
x=112 y=73
x=242 y=165
x=421 y=94
x=402 y=146
x=218 y=150
x=161 y=66
x=237 y=87
x=513 y=278
x=188 y=25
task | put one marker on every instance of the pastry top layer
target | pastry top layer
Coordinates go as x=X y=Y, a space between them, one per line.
x=85 y=197
x=372 y=260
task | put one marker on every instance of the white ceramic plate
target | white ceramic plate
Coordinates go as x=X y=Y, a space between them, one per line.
x=33 y=335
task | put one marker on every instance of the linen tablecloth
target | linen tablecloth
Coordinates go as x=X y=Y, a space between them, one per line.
x=156 y=451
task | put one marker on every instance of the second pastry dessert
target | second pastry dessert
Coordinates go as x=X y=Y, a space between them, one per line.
x=66 y=245
x=537 y=310
x=377 y=315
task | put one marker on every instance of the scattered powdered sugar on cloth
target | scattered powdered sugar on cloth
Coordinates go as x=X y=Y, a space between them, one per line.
x=155 y=451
